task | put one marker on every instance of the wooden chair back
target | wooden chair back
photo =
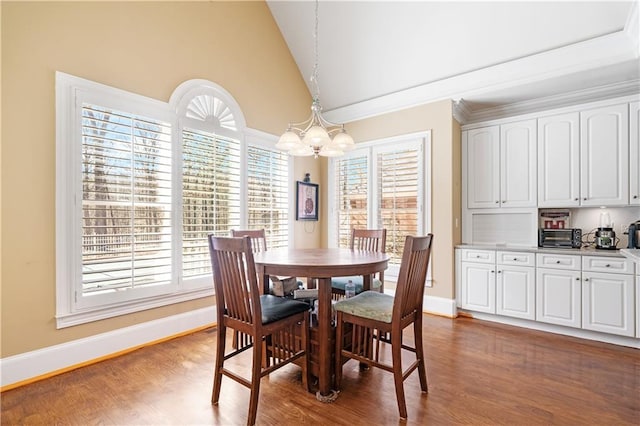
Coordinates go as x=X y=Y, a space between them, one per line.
x=407 y=304
x=257 y=236
x=235 y=282
x=370 y=240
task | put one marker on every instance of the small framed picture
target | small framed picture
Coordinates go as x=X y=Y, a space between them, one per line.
x=306 y=201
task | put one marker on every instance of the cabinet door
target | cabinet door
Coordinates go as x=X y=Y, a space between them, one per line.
x=634 y=153
x=608 y=303
x=478 y=287
x=518 y=159
x=515 y=292
x=483 y=175
x=558 y=297
x=559 y=160
x=604 y=150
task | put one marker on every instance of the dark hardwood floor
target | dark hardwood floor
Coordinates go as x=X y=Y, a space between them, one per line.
x=479 y=373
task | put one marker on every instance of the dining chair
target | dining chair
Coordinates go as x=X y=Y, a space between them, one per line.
x=362 y=239
x=277 y=327
x=371 y=312
x=259 y=244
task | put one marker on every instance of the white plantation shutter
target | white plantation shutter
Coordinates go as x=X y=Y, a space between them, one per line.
x=352 y=187
x=126 y=200
x=210 y=195
x=397 y=192
x=140 y=183
x=382 y=184
x=268 y=193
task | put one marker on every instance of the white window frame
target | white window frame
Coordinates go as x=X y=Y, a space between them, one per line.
x=370 y=149
x=72 y=308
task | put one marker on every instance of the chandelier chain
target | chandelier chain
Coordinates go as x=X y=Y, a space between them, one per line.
x=314 y=77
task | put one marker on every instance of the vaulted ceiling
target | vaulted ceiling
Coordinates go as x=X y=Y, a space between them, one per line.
x=490 y=57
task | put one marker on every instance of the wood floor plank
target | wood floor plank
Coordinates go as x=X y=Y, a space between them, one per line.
x=479 y=373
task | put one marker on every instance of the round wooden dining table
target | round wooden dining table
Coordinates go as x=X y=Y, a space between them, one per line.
x=320 y=265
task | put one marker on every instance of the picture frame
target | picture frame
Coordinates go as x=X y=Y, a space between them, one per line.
x=306 y=201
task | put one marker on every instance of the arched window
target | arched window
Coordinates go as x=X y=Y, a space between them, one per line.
x=140 y=185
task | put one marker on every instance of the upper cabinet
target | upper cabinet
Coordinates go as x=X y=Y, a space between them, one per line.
x=634 y=153
x=604 y=161
x=501 y=165
x=583 y=160
x=559 y=160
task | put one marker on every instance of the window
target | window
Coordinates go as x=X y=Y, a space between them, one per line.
x=141 y=183
x=382 y=184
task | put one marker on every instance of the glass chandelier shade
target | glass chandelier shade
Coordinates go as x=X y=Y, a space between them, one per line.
x=316 y=136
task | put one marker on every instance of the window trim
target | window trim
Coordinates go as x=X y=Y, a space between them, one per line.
x=424 y=185
x=69 y=191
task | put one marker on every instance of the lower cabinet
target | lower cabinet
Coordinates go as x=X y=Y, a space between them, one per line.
x=608 y=303
x=478 y=287
x=595 y=293
x=515 y=292
x=558 y=299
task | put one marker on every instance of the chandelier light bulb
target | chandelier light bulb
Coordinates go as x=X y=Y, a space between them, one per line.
x=316 y=136
x=288 y=141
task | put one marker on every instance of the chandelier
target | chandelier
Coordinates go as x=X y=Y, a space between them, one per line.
x=316 y=135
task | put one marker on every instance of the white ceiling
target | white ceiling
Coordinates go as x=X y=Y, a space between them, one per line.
x=380 y=56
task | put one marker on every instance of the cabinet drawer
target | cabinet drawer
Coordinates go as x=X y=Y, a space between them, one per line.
x=478 y=256
x=607 y=264
x=558 y=261
x=516 y=258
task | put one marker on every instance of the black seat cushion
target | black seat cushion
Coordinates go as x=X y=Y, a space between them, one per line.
x=276 y=308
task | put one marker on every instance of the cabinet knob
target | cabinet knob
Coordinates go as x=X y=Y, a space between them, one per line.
x=585 y=198
x=577 y=278
x=504 y=201
x=493 y=272
x=586 y=279
x=576 y=199
x=607 y=265
x=499 y=272
x=557 y=261
x=497 y=202
x=515 y=259
x=635 y=197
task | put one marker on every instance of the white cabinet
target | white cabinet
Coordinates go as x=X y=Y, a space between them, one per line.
x=478 y=280
x=558 y=290
x=559 y=160
x=608 y=295
x=500 y=165
x=604 y=161
x=515 y=285
x=482 y=155
x=518 y=159
x=634 y=153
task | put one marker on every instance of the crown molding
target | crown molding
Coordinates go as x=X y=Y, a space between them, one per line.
x=461 y=111
x=588 y=55
x=595 y=94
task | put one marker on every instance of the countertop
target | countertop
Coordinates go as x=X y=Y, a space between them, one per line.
x=633 y=254
x=581 y=251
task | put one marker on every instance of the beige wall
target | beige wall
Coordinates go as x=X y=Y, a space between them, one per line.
x=147 y=48
x=445 y=190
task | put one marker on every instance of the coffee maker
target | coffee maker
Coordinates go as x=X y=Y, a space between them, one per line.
x=605 y=239
x=634 y=235
x=605 y=236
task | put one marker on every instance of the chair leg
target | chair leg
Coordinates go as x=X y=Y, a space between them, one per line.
x=217 y=374
x=396 y=347
x=422 y=370
x=338 y=354
x=255 y=384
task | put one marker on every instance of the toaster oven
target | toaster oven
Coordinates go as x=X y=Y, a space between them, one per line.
x=560 y=238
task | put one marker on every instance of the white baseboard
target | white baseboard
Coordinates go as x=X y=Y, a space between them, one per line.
x=631 y=342
x=30 y=365
x=440 y=306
